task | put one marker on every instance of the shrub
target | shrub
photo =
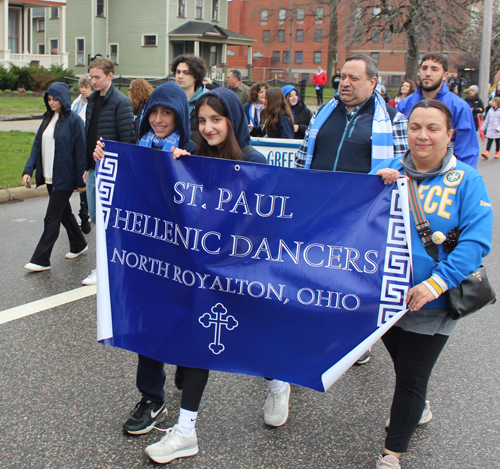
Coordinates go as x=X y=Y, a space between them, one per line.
x=29 y=92
x=7 y=91
x=16 y=92
x=34 y=78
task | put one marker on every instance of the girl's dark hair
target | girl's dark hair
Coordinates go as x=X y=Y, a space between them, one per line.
x=276 y=107
x=434 y=104
x=48 y=117
x=253 y=94
x=413 y=87
x=231 y=149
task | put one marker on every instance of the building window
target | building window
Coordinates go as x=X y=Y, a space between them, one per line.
x=100 y=9
x=266 y=35
x=199 y=10
x=41 y=48
x=319 y=15
x=387 y=35
x=54 y=13
x=318 y=35
x=263 y=16
x=286 y=56
x=299 y=35
x=357 y=34
x=215 y=10
x=301 y=13
x=298 y=57
x=149 y=40
x=282 y=15
x=113 y=53
x=281 y=35
x=80 y=51
x=375 y=56
x=181 y=11
x=376 y=35
x=276 y=57
x=41 y=26
x=317 y=57
x=54 y=46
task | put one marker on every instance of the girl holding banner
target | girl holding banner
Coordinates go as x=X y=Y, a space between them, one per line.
x=454 y=197
x=223 y=126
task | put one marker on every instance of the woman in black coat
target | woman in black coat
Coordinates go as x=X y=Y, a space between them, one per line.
x=58 y=155
x=475 y=103
x=301 y=113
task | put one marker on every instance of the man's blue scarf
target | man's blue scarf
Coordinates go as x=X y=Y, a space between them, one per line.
x=382 y=141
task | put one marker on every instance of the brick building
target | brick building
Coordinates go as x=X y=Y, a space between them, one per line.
x=269 y=24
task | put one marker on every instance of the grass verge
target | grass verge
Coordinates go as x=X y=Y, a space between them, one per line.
x=14 y=105
x=15 y=149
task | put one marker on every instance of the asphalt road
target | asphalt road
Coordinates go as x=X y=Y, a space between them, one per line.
x=64 y=397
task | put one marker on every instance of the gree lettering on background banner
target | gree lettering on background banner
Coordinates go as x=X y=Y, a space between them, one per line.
x=246 y=268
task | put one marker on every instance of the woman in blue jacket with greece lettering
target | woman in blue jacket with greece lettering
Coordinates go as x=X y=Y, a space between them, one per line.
x=456 y=203
x=58 y=156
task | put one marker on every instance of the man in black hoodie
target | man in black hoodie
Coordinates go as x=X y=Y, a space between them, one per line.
x=110 y=116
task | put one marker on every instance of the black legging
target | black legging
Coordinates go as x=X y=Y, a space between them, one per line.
x=490 y=141
x=414 y=356
x=193 y=385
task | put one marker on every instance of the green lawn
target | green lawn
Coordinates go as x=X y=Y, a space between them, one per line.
x=15 y=149
x=14 y=105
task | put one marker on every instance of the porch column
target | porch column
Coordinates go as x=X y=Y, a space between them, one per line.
x=4 y=30
x=62 y=39
x=197 y=48
x=250 y=58
x=26 y=16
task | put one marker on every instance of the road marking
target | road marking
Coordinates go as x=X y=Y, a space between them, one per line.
x=34 y=307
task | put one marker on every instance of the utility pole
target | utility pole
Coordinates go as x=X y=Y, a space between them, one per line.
x=485 y=59
x=290 y=54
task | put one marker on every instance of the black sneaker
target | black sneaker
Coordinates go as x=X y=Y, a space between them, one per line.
x=144 y=417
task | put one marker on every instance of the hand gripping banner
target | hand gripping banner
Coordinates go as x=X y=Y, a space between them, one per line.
x=285 y=273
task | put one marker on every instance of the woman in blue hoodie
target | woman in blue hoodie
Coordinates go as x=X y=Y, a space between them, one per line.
x=225 y=134
x=165 y=126
x=58 y=155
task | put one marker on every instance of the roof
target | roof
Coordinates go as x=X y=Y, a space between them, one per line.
x=209 y=30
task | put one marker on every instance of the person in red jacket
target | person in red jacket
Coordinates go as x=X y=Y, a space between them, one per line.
x=319 y=83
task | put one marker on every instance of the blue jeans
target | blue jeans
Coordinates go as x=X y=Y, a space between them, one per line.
x=91 y=193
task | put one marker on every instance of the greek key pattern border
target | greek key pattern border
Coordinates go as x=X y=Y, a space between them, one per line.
x=396 y=278
x=105 y=184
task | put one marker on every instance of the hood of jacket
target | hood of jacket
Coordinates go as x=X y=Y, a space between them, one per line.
x=61 y=92
x=171 y=96
x=235 y=113
x=287 y=89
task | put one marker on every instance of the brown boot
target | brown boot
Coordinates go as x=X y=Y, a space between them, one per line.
x=485 y=154
x=497 y=155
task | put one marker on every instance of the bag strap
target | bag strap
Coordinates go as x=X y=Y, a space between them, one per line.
x=420 y=220
x=247 y=149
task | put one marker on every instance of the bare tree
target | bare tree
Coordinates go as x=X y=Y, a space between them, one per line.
x=434 y=23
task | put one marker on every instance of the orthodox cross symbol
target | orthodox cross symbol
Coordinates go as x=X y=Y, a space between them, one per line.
x=218 y=317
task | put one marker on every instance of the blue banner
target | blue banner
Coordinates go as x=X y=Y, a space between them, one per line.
x=246 y=268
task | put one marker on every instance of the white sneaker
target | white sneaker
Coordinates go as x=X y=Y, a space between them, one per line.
x=388 y=462
x=91 y=279
x=173 y=445
x=36 y=267
x=425 y=418
x=276 y=406
x=74 y=255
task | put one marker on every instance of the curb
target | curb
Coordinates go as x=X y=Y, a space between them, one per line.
x=21 y=117
x=21 y=193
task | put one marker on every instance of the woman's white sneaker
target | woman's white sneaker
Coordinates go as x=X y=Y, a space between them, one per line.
x=388 y=462
x=74 y=255
x=173 y=445
x=36 y=267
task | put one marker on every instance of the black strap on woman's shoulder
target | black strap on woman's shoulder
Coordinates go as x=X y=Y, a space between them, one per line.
x=421 y=223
